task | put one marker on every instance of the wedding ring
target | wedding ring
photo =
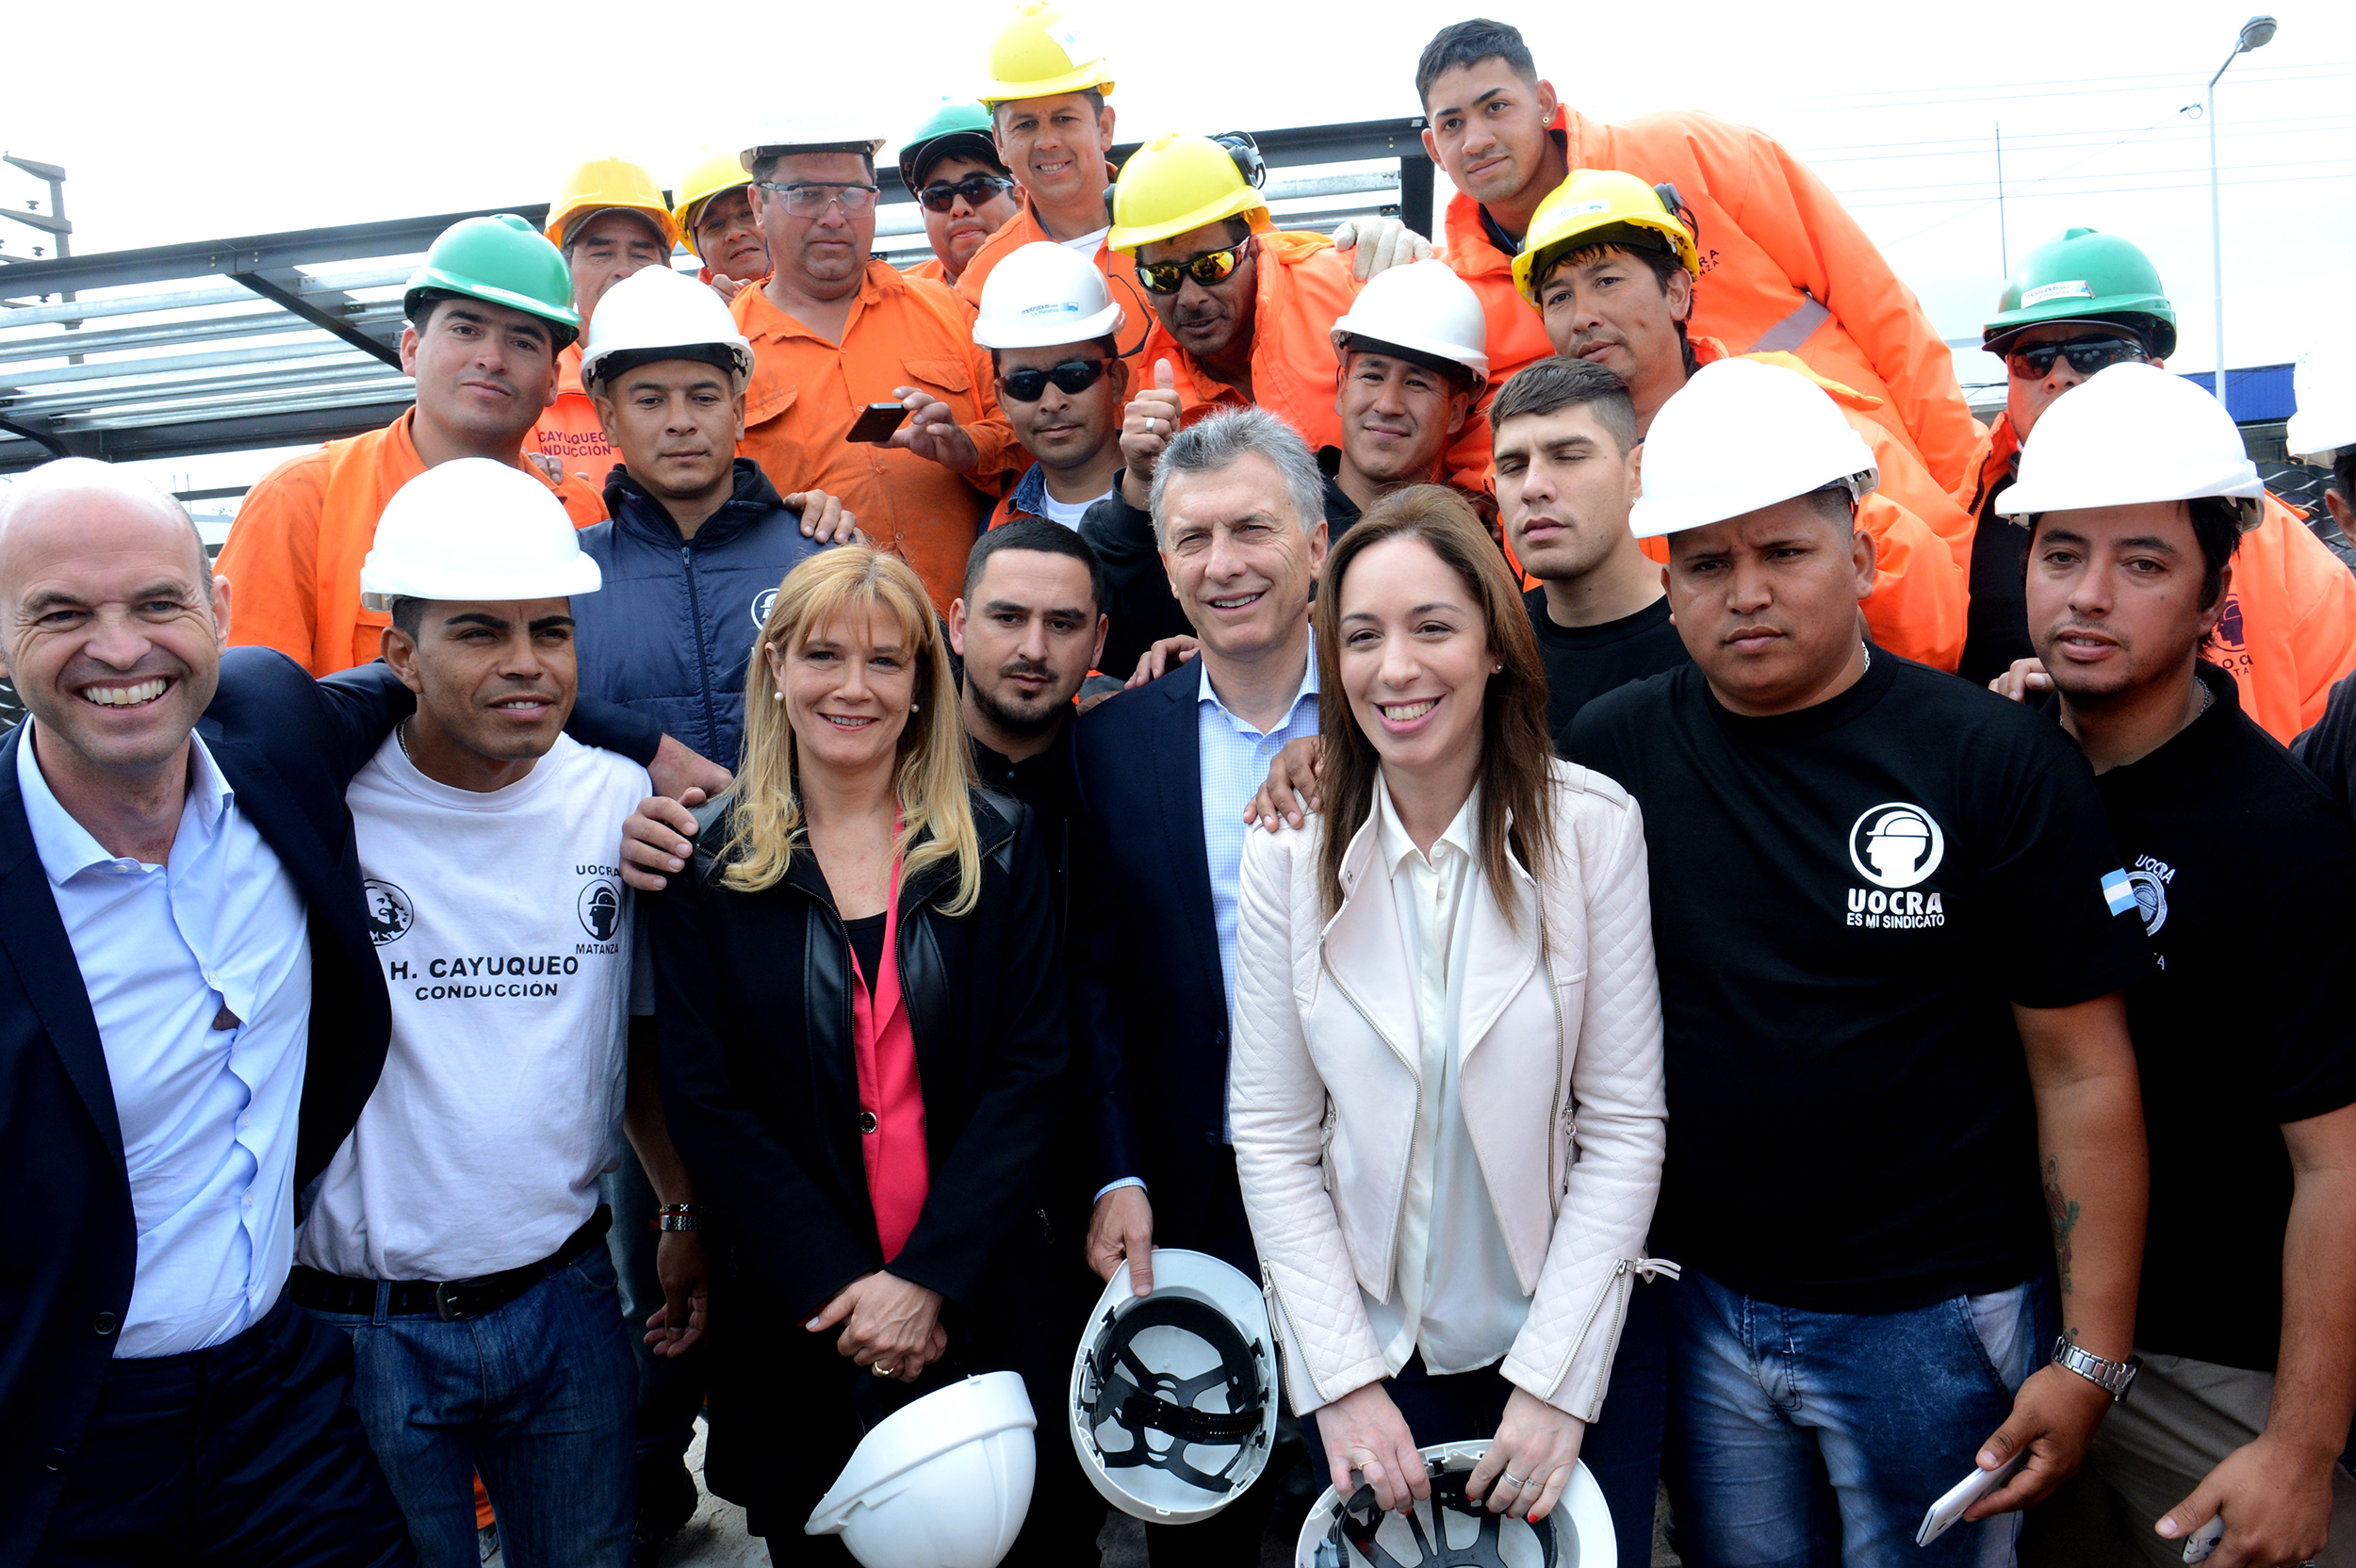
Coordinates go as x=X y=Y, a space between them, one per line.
x=1513 y=1481
x=1148 y=424
x=882 y=1369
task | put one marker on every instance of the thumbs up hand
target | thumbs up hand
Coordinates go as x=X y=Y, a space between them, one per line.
x=1150 y=421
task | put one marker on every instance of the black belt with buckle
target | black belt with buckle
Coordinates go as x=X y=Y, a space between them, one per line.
x=448 y=1299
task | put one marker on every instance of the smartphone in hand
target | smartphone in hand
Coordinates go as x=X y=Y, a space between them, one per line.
x=876 y=422
x=1945 y=1514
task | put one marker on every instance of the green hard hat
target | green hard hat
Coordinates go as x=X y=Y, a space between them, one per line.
x=501 y=261
x=958 y=127
x=2084 y=275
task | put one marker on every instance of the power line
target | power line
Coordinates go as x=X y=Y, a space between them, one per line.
x=2288 y=68
x=1979 y=146
x=2110 y=190
x=2064 y=174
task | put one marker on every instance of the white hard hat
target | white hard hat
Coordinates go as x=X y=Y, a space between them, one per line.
x=656 y=309
x=1041 y=295
x=2133 y=434
x=472 y=528
x=1449 y=1528
x=1174 y=1396
x=1425 y=308
x=779 y=141
x=1741 y=435
x=2323 y=389
x=944 y=1482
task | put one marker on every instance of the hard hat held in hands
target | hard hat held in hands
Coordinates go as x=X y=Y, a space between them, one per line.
x=1041 y=295
x=1740 y=436
x=474 y=529
x=655 y=310
x=2133 y=434
x=944 y=1482
x=1425 y=308
x=1349 y=1532
x=1041 y=52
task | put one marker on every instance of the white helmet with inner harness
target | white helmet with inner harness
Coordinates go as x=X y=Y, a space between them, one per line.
x=1452 y=1532
x=1174 y=1396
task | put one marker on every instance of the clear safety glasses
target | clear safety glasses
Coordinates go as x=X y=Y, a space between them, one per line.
x=809 y=198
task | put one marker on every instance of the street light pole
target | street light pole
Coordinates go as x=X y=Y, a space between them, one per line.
x=2255 y=34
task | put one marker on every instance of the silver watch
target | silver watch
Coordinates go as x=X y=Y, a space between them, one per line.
x=2114 y=1378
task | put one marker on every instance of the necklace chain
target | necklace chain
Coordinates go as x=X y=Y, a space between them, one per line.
x=401 y=733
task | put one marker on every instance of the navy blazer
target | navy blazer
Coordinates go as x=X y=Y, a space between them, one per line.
x=1148 y=994
x=287 y=745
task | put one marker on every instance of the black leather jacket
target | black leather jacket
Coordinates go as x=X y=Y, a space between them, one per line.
x=761 y=1087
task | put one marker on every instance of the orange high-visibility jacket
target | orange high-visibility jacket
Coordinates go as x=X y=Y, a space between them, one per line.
x=1119 y=267
x=1784 y=267
x=1917 y=609
x=2288 y=629
x=569 y=431
x=294 y=553
x=806 y=392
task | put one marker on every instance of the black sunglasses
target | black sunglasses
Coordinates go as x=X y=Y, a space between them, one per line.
x=2086 y=355
x=1212 y=267
x=941 y=195
x=1073 y=377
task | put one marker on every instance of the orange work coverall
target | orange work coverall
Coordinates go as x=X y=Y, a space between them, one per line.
x=1784 y=267
x=806 y=391
x=2288 y=629
x=569 y=431
x=293 y=555
x=1119 y=267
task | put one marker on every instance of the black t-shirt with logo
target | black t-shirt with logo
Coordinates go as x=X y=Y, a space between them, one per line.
x=2241 y=865
x=1846 y=902
x=1584 y=661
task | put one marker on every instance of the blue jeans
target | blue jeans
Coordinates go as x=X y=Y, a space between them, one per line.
x=1804 y=1439
x=539 y=1397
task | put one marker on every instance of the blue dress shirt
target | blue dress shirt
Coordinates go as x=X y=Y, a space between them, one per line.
x=1235 y=759
x=198 y=975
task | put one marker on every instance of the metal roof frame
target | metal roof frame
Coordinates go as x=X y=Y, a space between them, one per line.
x=226 y=345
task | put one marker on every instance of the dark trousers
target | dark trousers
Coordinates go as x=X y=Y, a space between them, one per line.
x=1622 y=1446
x=670 y=1388
x=1231 y=1537
x=247 y=1454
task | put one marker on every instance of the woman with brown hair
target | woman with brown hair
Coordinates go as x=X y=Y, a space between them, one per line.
x=1447 y=1082
x=859 y=1007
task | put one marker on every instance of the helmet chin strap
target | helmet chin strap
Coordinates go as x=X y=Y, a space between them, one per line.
x=1359 y=1521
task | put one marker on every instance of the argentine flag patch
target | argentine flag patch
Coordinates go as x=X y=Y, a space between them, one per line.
x=2118 y=892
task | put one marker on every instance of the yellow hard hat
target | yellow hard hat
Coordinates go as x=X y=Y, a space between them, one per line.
x=1576 y=212
x=713 y=172
x=1175 y=183
x=603 y=185
x=1041 y=52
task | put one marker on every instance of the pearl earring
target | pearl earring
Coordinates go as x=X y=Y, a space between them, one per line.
x=776 y=696
x=916 y=708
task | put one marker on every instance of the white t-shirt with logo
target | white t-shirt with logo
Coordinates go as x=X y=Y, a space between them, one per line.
x=503 y=927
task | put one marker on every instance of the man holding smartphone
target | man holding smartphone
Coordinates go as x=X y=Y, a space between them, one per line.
x=835 y=331
x=2136 y=502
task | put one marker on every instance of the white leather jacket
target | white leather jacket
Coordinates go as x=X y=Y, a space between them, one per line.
x=1560 y=1082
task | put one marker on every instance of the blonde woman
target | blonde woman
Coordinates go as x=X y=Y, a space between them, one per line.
x=1447 y=1085
x=860 y=1004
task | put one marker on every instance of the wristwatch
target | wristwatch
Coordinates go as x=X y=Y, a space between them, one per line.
x=2114 y=1378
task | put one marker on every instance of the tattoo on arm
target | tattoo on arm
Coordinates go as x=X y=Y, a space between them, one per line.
x=2061 y=1212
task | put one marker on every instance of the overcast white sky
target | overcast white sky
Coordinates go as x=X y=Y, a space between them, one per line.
x=180 y=122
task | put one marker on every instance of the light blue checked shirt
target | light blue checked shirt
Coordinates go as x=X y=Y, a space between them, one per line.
x=1235 y=764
